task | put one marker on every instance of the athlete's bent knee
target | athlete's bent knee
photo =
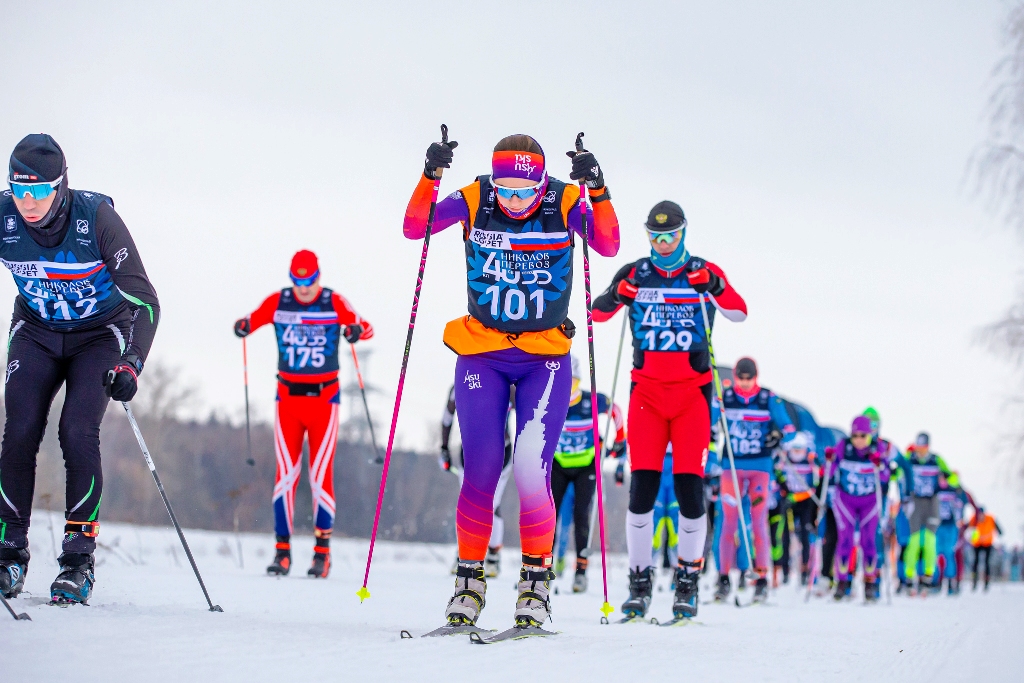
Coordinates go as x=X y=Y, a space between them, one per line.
x=690 y=495
x=643 y=491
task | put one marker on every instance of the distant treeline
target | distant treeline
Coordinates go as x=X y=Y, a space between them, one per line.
x=203 y=467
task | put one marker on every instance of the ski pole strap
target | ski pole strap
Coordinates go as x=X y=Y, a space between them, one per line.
x=88 y=529
x=691 y=567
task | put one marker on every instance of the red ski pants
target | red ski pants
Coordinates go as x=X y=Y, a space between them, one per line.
x=662 y=412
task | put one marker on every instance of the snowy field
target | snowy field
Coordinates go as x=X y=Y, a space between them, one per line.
x=148 y=622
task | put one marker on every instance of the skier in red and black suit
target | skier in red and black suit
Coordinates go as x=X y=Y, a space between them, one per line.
x=310 y=321
x=671 y=394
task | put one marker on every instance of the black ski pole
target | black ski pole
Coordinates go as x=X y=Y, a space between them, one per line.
x=167 y=503
x=248 y=432
x=378 y=460
x=17 y=617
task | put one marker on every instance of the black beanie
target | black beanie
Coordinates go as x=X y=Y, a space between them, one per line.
x=666 y=216
x=36 y=159
x=746 y=368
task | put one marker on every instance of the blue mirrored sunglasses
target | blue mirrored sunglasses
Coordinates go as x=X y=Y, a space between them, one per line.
x=305 y=281
x=37 y=190
x=521 y=192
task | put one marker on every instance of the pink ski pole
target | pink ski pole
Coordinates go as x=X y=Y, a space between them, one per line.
x=606 y=608
x=363 y=593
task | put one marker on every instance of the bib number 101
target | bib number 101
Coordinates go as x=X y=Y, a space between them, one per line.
x=515 y=303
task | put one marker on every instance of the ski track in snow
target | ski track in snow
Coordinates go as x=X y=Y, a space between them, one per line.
x=148 y=621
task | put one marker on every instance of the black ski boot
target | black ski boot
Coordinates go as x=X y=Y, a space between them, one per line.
x=641 y=587
x=804 y=577
x=687 y=598
x=760 y=590
x=579 y=581
x=282 y=563
x=722 y=591
x=871 y=592
x=843 y=588
x=741 y=585
x=321 y=562
x=75 y=581
x=13 y=567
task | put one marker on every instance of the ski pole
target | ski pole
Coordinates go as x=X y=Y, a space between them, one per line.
x=248 y=431
x=369 y=420
x=608 y=419
x=167 y=503
x=817 y=525
x=363 y=593
x=17 y=617
x=606 y=608
x=725 y=430
x=885 y=565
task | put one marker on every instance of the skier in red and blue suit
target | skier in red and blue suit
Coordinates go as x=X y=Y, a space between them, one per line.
x=671 y=394
x=309 y=321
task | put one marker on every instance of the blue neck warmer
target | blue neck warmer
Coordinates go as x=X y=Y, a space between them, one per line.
x=673 y=261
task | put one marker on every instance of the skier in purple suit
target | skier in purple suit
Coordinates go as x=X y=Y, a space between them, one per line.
x=855 y=462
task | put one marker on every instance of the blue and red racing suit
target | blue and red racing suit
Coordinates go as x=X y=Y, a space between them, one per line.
x=308 y=336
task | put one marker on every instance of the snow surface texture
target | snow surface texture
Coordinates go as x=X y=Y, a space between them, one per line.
x=148 y=622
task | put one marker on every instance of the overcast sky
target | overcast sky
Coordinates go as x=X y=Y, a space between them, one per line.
x=818 y=149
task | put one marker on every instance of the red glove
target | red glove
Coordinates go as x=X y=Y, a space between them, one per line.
x=830 y=453
x=626 y=291
x=704 y=280
x=875 y=458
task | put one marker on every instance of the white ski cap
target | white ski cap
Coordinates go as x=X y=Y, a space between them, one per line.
x=799 y=440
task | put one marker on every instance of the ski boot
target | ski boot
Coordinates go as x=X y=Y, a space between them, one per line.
x=871 y=591
x=687 y=598
x=282 y=557
x=470 y=591
x=951 y=587
x=760 y=590
x=641 y=587
x=75 y=581
x=579 y=582
x=722 y=591
x=843 y=589
x=13 y=567
x=492 y=563
x=805 y=576
x=785 y=577
x=741 y=585
x=533 y=607
x=321 y=566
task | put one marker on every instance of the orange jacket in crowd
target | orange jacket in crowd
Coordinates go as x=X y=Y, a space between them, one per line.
x=985 y=529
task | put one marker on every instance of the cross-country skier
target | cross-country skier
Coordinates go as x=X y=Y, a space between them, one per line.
x=671 y=394
x=800 y=476
x=985 y=528
x=492 y=564
x=857 y=462
x=920 y=470
x=574 y=464
x=310 y=322
x=519 y=229
x=952 y=500
x=758 y=422
x=564 y=527
x=712 y=484
x=85 y=316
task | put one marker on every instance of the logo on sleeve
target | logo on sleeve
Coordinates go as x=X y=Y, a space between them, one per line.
x=121 y=255
x=11 y=367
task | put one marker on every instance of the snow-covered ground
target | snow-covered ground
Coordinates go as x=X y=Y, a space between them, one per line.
x=148 y=622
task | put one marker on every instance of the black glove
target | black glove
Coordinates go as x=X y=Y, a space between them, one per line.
x=773 y=439
x=352 y=333
x=445 y=461
x=620 y=474
x=439 y=155
x=704 y=280
x=122 y=381
x=242 y=328
x=585 y=166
